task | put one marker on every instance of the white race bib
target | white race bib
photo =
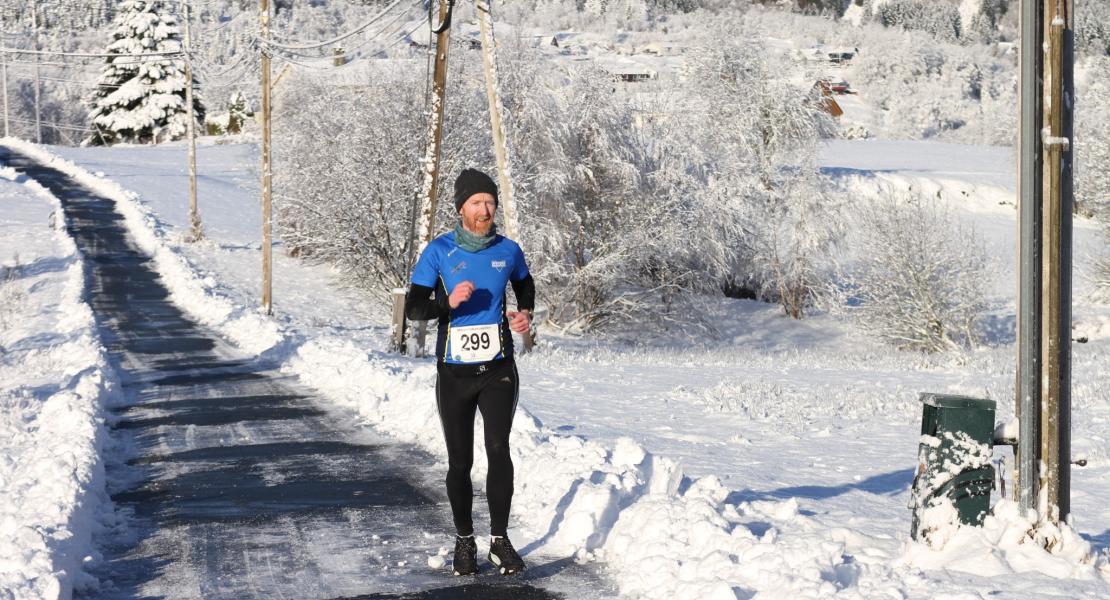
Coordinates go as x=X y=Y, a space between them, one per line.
x=476 y=343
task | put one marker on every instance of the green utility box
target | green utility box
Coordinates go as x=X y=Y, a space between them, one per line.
x=953 y=459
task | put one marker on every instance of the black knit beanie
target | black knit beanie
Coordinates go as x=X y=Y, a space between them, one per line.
x=470 y=182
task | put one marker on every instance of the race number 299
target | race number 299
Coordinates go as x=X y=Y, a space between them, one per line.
x=476 y=343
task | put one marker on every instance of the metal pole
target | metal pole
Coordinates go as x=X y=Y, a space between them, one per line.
x=1029 y=234
x=195 y=233
x=425 y=228
x=267 y=250
x=38 y=82
x=500 y=148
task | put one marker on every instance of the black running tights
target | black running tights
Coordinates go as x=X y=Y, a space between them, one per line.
x=493 y=392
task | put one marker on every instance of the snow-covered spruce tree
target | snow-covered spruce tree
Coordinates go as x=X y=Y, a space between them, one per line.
x=142 y=100
x=237 y=113
x=921 y=275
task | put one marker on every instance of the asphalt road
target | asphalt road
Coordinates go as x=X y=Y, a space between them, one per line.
x=230 y=480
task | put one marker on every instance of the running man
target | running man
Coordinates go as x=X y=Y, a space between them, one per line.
x=468 y=269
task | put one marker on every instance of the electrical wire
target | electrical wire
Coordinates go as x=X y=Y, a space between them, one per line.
x=350 y=52
x=339 y=38
x=87 y=54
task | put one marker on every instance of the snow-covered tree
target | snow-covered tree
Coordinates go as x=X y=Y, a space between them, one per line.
x=939 y=19
x=1092 y=27
x=921 y=275
x=349 y=203
x=237 y=113
x=923 y=88
x=758 y=139
x=1092 y=139
x=142 y=99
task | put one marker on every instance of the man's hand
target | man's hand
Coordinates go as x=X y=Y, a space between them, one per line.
x=519 y=321
x=460 y=294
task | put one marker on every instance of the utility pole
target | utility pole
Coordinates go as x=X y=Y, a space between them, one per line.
x=1057 y=207
x=1046 y=197
x=195 y=233
x=267 y=250
x=38 y=81
x=4 y=85
x=425 y=227
x=500 y=148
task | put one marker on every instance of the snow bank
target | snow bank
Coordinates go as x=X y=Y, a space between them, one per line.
x=1008 y=542
x=54 y=383
x=197 y=294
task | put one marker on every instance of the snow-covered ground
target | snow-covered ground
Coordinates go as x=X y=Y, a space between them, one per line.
x=54 y=382
x=774 y=460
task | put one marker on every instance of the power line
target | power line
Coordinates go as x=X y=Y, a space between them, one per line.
x=88 y=54
x=339 y=38
x=350 y=52
x=54 y=125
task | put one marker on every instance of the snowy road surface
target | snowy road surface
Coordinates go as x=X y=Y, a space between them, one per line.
x=230 y=481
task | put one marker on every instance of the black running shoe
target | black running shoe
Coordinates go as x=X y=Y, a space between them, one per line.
x=466 y=556
x=502 y=554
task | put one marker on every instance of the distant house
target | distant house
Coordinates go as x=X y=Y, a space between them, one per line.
x=828 y=103
x=841 y=56
x=836 y=56
x=627 y=70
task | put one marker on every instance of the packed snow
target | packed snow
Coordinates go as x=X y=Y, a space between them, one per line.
x=774 y=461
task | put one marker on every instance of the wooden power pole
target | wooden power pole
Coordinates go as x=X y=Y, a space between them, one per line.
x=500 y=148
x=195 y=233
x=1045 y=232
x=267 y=249
x=4 y=85
x=1056 y=298
x=425 y=228
x=38 y=81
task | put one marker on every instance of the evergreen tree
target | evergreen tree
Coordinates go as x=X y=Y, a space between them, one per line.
x=237 y=112
x=142 y=100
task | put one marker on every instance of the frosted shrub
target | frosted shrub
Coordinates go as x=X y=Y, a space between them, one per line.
x=921 y=276
x=761 y=167
x=12 y=296
x=613 y=223
x=922 y=88
x=349 y=203
x=350 y=171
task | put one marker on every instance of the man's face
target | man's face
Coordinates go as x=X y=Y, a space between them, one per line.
x=477 y=213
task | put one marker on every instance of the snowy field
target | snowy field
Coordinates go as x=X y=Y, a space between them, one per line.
x=773 y=460
x=54 y=381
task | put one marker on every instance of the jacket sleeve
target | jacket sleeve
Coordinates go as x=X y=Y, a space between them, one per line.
x=525 y=291
x=421 y=306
